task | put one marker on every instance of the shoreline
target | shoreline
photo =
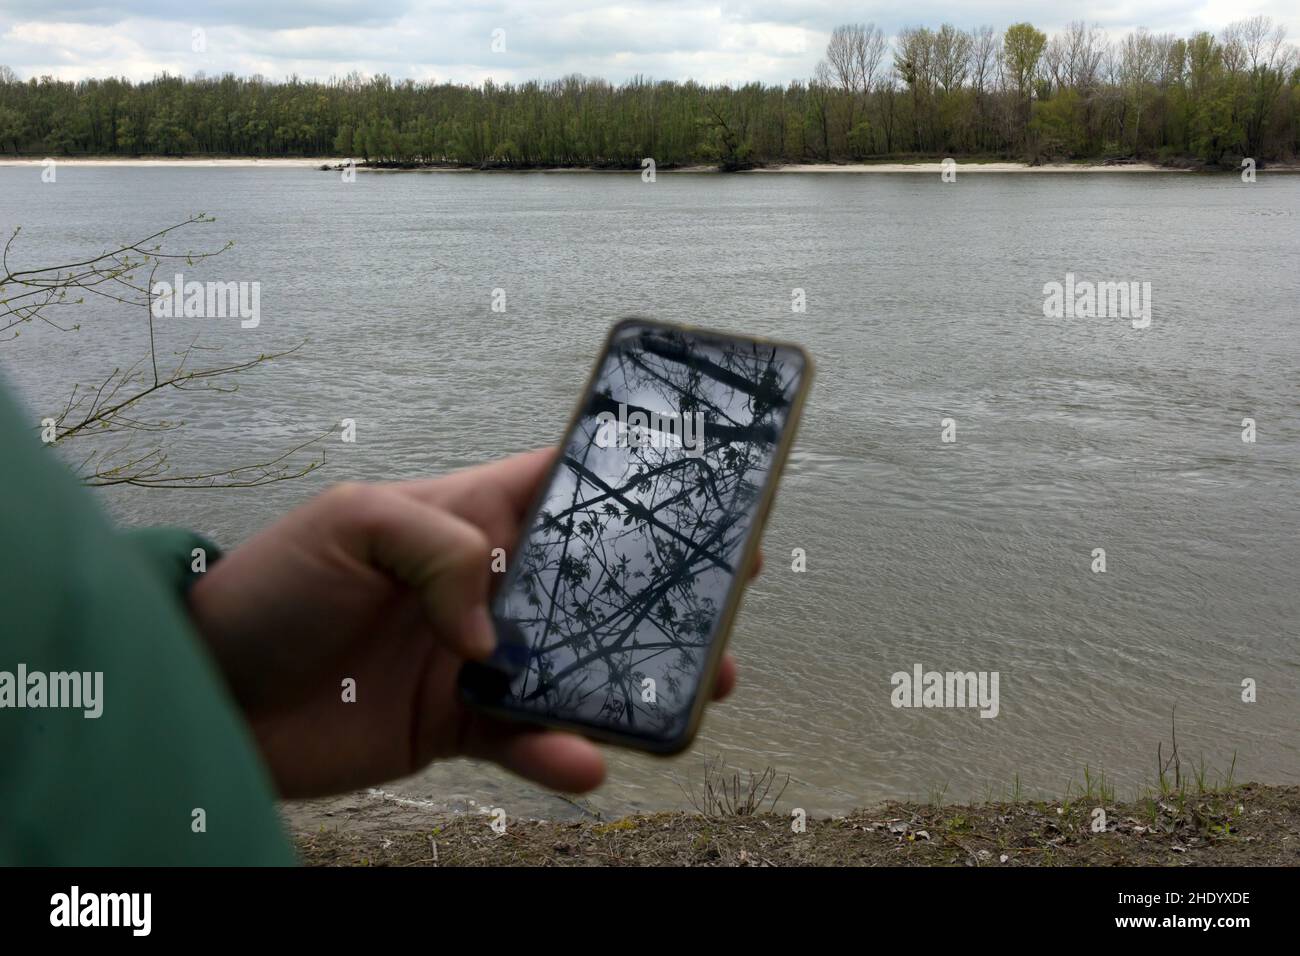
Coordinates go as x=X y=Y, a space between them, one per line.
x=1247 y=825
x=179 y=161
x=924 y=167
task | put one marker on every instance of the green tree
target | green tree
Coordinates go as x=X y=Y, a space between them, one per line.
x=1022 y=50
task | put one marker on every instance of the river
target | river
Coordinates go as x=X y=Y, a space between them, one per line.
x=924 y=303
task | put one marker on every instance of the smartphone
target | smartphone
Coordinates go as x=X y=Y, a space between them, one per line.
x=616 y=604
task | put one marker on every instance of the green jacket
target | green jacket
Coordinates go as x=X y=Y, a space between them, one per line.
x=76 y=595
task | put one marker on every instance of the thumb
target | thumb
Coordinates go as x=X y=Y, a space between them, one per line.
x=439 y=555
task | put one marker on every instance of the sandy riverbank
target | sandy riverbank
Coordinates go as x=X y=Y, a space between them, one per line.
x=895 y=167
x=963 y=167
x=173 y=161
x=1249 y=825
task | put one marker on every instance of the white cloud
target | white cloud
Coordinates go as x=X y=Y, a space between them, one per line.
x=666 y=39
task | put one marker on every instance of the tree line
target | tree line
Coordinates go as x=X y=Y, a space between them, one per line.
x=1015 y=94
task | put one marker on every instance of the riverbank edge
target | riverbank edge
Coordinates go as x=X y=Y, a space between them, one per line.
x=1247 y=825
x=327 y=163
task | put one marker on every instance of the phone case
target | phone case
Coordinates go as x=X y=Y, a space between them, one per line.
x=735 y=593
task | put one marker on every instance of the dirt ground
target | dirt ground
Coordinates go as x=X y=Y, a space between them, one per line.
x=1249 y=825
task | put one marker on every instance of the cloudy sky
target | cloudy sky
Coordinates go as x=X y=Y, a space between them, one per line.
x=769 y=40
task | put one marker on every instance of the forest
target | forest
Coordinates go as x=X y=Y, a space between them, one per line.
x=1017 y=93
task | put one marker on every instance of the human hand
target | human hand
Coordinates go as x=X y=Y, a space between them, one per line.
x=386 y=584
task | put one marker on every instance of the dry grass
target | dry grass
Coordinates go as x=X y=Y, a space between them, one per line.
x=1249 y=825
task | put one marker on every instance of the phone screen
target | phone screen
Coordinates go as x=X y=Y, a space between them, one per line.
x=609 y=613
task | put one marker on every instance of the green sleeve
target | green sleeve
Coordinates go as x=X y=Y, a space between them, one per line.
x=80 y=598
x=176 y=557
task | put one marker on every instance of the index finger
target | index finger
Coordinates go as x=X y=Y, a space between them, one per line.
x=517 y=478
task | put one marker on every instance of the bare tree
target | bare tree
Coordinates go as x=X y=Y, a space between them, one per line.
x=1056 y=64
x=854 y=56
x=870 y=57
x=841 y=56
x=114 y=421
x=819 y=89
x=915 y=62
x=1263 y=41
x=984 y=47
x=1075 y=57
x=982 y=70
x=1233 y=46
x=1258 y=47
x=952 y=49
x=1138 y=65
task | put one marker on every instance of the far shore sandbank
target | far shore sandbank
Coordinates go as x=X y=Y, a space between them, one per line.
x=926 y=167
